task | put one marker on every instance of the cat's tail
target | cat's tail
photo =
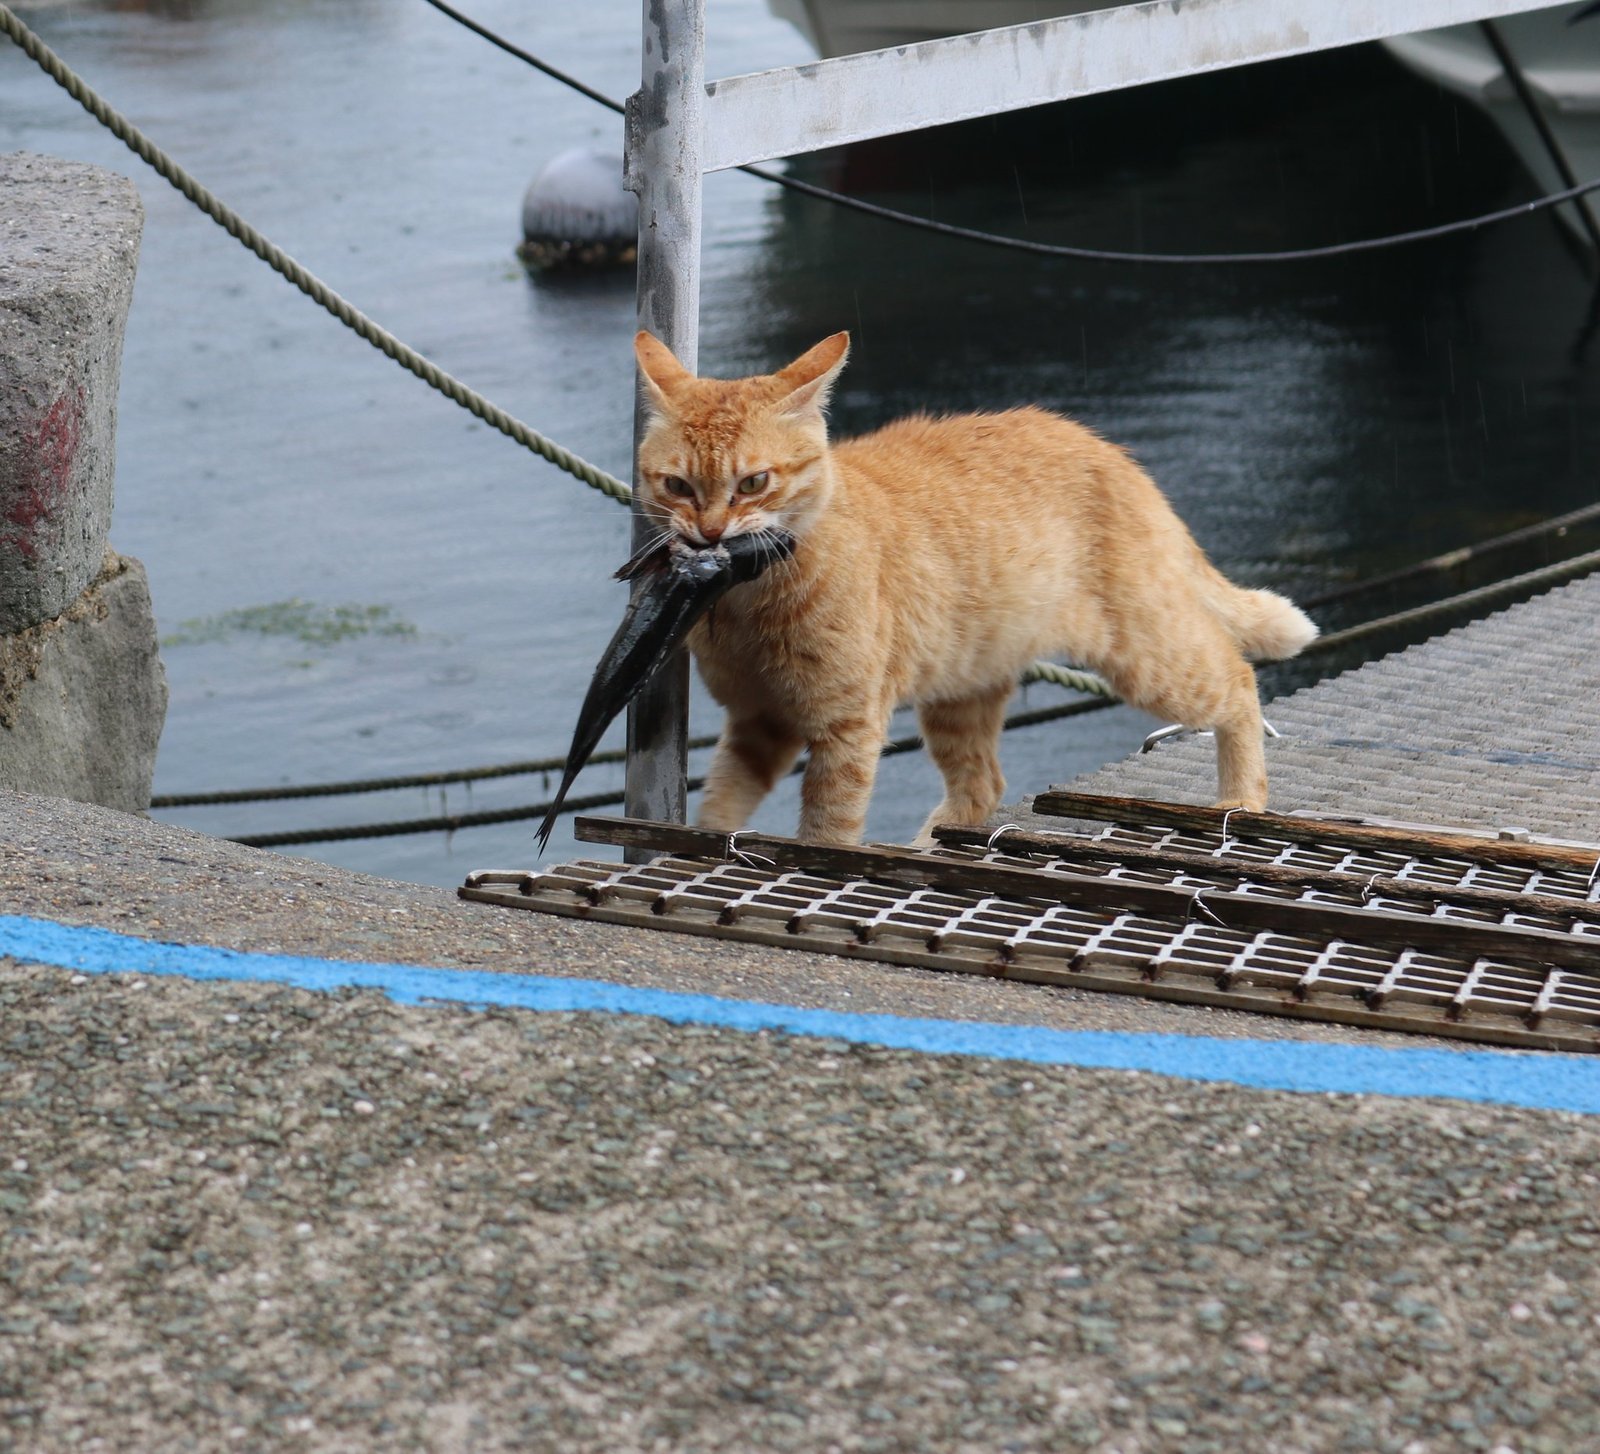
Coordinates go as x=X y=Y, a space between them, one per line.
x=1267 y=626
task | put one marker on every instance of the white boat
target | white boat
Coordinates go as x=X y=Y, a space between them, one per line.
x=843 y=27
x=1561 y=64
x=1560 y=61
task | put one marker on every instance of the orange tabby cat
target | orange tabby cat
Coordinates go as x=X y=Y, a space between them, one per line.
x=937 y=558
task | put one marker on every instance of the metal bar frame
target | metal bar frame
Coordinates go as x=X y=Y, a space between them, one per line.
x=1227 y=909
x=1072 y=849
x=664 y=168
x=679 y=127
x=1475 y=1001
x=877 y=93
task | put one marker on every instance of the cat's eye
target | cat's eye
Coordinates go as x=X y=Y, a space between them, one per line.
x=753 y=484
x=675 y=486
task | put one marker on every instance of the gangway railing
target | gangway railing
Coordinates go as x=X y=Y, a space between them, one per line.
x=679 y=127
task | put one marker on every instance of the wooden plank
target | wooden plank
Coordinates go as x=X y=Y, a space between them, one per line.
x=1084 y=850
x=1240 y=912
x=1418 y=843
x=798 y=109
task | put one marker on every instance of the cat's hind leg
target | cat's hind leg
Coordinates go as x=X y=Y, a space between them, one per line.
x=1241 y=756
x=752 y=754
x=963 y=739
x=1202 y=681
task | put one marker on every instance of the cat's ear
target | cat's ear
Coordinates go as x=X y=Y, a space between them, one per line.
x=661 y=371
x=810 y=377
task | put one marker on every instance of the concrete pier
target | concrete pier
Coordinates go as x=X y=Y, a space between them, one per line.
x=82 y=692
x=244 y=1211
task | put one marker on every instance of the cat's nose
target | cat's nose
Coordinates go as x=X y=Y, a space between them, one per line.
x=712 y=533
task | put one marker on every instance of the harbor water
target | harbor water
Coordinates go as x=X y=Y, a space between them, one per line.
x=354 y=578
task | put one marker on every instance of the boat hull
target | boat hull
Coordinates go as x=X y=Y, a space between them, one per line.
x=846 y=27
x=1561 y=62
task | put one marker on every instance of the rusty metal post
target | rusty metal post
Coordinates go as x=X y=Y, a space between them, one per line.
x=664 y=136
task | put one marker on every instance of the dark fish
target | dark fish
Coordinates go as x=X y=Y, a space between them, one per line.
x=683 y=584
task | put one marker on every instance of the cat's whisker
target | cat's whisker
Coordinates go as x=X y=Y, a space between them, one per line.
x=771 y=538
x=656 y=540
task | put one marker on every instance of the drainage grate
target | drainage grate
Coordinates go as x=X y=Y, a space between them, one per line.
x=1473 y=938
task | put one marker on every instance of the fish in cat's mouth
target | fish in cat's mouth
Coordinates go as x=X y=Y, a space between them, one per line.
x=677 y=584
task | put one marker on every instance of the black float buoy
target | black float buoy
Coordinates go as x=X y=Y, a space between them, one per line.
x=577 y=215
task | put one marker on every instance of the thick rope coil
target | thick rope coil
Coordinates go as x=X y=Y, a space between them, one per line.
x=1066 y=676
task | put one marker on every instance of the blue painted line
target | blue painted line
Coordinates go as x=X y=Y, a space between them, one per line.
x=1539 y=1080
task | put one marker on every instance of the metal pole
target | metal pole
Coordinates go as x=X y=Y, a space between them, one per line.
x=664 y=135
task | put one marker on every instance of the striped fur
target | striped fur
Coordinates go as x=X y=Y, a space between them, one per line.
x=937 y=559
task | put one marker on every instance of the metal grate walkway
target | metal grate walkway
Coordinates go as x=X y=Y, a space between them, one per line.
x=1495 y=723
x=1393 y=927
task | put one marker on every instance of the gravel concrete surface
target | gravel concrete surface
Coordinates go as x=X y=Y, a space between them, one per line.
x=78 y=864
x=245 y=1217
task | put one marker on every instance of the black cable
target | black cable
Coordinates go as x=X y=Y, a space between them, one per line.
x=445 y=823
x=1190 y=259
x=527 y=56
x=450 y=822
x=1050 y=249
x=1451 y=559
x=1530 y=104
x=526 y=767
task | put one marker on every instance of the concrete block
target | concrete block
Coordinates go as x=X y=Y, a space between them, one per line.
x=83 y=697
x=69 y=244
